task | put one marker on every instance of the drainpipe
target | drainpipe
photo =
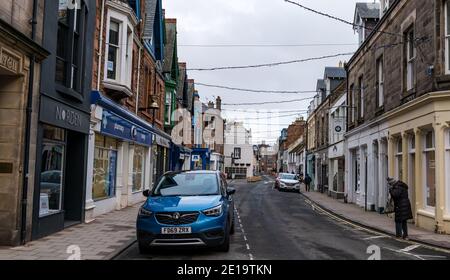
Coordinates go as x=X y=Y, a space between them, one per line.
x=138 y=79
x=29 y=111
x=100 y=46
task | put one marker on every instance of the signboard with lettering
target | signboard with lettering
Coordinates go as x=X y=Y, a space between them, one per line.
x=118 y=127
x=61 y=115
x=161 y=141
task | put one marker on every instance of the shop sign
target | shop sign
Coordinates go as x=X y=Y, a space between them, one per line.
x=9 y=61
x=161 y=141
x=118 y=127
x=61 y=115
x=195 y=158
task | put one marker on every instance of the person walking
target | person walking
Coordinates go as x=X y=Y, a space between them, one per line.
x=307 y=182
x=402 y=207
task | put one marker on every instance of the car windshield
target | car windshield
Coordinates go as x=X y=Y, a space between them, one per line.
x=187 y=184
x=288 y=177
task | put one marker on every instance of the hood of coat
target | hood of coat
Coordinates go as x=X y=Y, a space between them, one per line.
x=401 y=184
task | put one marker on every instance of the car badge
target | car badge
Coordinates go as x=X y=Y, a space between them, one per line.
x=176 y=216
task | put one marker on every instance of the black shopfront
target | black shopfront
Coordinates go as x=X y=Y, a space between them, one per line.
x=64 y=117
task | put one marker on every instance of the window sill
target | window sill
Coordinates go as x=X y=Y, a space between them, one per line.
x=427 y=212
x=69 y=92
x=103 y=198
x=117 y=89
x=379 y=111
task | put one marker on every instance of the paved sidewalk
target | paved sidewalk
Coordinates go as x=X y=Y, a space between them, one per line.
x=100 y=239
x=375 y=221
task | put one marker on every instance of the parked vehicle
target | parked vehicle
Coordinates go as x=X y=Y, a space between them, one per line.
x=287 y=181
x=188 y=208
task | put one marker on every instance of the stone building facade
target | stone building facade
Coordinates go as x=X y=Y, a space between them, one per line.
x=21 y=54
x=398 y=113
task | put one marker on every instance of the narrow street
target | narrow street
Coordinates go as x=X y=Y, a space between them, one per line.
x=273 y=225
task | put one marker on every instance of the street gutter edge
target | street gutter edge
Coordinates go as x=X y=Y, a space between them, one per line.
x=372 y=228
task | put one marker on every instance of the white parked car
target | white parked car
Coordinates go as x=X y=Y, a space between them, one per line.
x=287 y=181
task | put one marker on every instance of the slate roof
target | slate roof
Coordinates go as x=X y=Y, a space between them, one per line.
x=181 y=80
x=150 y=10
x=320 y=84
x=190 y=94
x=335 y=73
x=169 y=48
x=368 y=10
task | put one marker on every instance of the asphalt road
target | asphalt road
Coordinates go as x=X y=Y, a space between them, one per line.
x=273 y=225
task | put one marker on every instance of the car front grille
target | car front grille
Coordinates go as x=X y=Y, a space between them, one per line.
x=170 y=218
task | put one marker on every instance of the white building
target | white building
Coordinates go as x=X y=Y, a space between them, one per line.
x=336 y=156
x=238 y=150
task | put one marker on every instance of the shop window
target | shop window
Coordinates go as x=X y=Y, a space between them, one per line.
x=447 y=159
x=52 y=171
x=105 y=168
x=70 y=45
x=357 y=170
x=138 y=173
x=399 y=159
x=429 y=171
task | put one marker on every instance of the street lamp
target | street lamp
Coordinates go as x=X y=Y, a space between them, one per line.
x=153 y=106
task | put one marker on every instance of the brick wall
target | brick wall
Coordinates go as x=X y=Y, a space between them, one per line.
x=137 y=85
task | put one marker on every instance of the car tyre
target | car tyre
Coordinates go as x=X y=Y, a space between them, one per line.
x=232 y=230
x=225 y=246
x=143 y=249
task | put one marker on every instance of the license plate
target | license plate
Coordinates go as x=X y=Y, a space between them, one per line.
x=176 y=230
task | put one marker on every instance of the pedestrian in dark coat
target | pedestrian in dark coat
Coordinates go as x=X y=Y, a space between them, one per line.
x=402 y=207
x=307 y=182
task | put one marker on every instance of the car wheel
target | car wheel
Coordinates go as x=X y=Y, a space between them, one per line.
x=225 y=246
x=232 y=230
x=143 y=249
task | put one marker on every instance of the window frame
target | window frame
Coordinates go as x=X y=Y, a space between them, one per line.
x=142 y=172
x=410 y=59
x=447 y=37
x=74 y=54
x=399 y=157
x=109 y=150
x=361 y=97
x=125 y=53
x=447 y=166
x=424 y=169
x=380 y=81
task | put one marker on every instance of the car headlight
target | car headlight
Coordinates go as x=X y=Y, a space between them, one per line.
x=283 y=184
x=144 y=212
x=214 y=212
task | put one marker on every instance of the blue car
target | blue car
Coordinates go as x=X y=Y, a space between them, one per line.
x=189 y=208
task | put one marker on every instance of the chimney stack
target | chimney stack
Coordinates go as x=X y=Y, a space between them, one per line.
x=219 y=103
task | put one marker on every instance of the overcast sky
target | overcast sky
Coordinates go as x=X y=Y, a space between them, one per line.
x=260 y=22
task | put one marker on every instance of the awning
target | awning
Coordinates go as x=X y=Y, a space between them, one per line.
x=98 y=99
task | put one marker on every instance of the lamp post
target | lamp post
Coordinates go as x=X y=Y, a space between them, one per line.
x=153 y=106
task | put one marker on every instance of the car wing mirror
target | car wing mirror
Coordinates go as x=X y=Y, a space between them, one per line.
x=231 y=191
x=146 y=193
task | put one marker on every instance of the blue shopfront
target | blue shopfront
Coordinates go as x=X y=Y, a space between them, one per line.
x=180 y=158
x=123 y=157
x=200 y=159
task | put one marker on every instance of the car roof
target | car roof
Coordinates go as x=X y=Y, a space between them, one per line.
x=193 y=172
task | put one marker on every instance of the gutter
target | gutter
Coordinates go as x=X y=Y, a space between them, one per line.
x=100 y=46
x=29 y=111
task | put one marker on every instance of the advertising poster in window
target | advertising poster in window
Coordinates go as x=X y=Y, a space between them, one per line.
x=112 y=173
